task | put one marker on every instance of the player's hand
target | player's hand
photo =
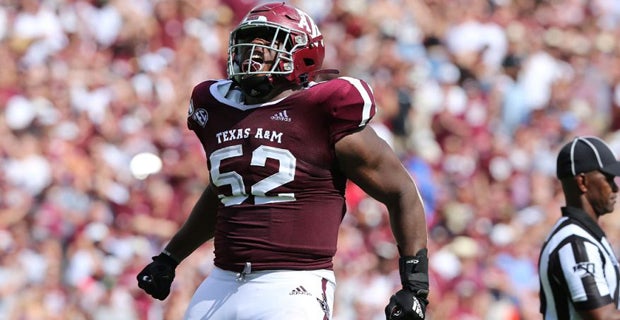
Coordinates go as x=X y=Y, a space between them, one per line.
x=405 y=305
x=410 y=302
x=156 y=278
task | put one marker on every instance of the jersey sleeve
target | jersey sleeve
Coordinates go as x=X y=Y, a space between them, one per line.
x=582 y=267
x=197 y=115
x=351 y=107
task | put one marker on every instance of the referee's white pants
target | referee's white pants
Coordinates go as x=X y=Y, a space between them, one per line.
x=264 y=295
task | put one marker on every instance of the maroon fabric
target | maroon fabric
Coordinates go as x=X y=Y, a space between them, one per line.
x=298 y=234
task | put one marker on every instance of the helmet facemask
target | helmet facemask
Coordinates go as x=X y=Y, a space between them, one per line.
x=247 y=57
x=295 y=46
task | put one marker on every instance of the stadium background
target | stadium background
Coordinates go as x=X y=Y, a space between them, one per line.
x=97 y=169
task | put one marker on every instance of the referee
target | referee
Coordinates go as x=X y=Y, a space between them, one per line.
x=578 y=269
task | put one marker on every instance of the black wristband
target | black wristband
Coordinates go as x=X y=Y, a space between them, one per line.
x=167 y=258
x=414 y=273
x=166 y=252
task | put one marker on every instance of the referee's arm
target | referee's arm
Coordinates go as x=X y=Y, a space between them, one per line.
x=607 y=312
x=599 y=304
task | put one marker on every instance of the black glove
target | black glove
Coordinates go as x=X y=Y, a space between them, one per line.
x=410 y=302
x=156 y=278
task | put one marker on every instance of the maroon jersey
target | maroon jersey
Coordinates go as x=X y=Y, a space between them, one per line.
x=280 y=189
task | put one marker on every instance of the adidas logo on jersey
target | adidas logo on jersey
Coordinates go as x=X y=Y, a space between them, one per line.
x=281 y=116
x=299 y=291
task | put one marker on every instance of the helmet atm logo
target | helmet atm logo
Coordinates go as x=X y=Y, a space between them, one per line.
x=306 y=23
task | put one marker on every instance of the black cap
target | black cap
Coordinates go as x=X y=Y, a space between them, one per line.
x=584 y=154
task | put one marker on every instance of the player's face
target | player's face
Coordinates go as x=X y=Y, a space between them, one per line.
x=602 y=192
x=259 y=56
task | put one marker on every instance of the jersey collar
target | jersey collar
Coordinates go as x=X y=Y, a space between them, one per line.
x=224 y=92
x=584 y=219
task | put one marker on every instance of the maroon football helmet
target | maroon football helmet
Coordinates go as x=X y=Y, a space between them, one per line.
x=290 y=33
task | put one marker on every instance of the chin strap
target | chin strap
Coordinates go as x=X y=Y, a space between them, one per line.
x=304 y=79
x=325 y=71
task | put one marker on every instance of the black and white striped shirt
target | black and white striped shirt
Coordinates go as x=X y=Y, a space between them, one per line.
x=577 y=267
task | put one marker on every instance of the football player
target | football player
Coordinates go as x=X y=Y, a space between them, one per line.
x=280 y=147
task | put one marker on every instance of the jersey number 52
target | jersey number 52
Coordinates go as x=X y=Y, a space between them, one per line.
x=285 y=174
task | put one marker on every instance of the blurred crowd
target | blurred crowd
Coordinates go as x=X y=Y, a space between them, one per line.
x=97 y=168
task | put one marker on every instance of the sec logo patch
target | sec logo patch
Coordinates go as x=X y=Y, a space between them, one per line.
x=201 y=116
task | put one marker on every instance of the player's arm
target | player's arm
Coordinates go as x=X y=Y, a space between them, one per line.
x=198 y=228
x=369 y=162
x=156 y=278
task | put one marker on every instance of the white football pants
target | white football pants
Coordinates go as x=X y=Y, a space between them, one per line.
x=264 y=295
